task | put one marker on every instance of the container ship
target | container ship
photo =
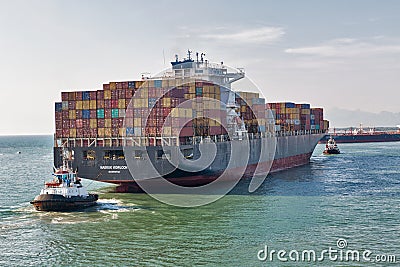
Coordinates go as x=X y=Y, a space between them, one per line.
x=362 y=136
x=114 y=133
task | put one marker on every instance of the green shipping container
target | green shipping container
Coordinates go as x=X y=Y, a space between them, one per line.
x=114 y=113
x=100 y=113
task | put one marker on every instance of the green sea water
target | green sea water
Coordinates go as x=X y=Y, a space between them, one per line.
x=354 y=196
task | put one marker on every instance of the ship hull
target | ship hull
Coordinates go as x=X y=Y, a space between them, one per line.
x=363 y=138
x=50 y=202
x=291 y=151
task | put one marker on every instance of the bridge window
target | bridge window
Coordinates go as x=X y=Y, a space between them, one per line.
x=114 y=154
x=161 y=154
x=89 y=155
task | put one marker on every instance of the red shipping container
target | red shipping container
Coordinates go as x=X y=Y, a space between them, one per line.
x=71 y=96
x=59 y=124
x=107 y=113
x=107 y=104
x=114 y=123
x=59 y=133
x=58 y=115
x=114 y=94
x=100 y=123
x=100 y=104
x=93 y=95
x=114 y=103
x=86 y=123
x=72 y=124
x=79 y=123
x=71 y=104
x=93 y=114
x=65 y=124
x=115 y=132
x=129 y=93
x=125 y=85
x=78 y=95
x=64 y=96
x=78 y=114
x=121 y=94
x=65 y=132
x=79 y=132
x=93 y=133
x=100 y=95
x=106 y=86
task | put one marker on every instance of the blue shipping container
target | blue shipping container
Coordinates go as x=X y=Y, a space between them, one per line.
x=100 y=113
x=58 y=106
x=131 y=84
x=85 y=95
x=290 y=105
x=86 y=114
x=129 y=131
x=157 y=83
x=258 y=101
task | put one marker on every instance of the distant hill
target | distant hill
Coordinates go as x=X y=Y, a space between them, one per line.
x=346 y=118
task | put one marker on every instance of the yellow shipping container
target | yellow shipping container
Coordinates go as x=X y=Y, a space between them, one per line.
x=107 y=94
x=100 y=132
x=72 y=132
x=192 y=89
x=164 y=83
x=113 y=85
x=107 y=132
x=86 y=104
x=93 y=104
x=167 y=131
x=122 y=131
x=305 y=111
x=107 y=123
x=121 y=103
x=78 y=104
x=93 y=123
x=175 y=112
x=138 y=84
x=137 y=122
x=72 y=114
x=166 y=102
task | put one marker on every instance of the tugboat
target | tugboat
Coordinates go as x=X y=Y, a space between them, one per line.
x=64 y=193
x=331 y=147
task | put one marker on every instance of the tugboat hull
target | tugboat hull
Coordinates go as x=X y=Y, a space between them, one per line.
x=50 y=202
x=331 y=152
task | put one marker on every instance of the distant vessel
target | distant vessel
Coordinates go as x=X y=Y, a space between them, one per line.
x=362 y=136
x=64 y=193
x=331 y=147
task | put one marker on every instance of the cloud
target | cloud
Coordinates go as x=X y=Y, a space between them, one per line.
x=263 y=35
x=346 y=47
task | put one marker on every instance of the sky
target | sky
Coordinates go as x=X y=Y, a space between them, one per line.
x=332 y=54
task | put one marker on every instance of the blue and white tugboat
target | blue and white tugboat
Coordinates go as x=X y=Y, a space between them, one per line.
x=64 y=193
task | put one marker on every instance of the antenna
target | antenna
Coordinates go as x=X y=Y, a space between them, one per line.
x=189 y=52
x=197 y=57
x=163 y=54
x=176 y=58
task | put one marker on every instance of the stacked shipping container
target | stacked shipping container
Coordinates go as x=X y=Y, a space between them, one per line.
x=101 y=113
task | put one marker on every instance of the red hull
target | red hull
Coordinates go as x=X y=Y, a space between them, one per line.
x=281 y=164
